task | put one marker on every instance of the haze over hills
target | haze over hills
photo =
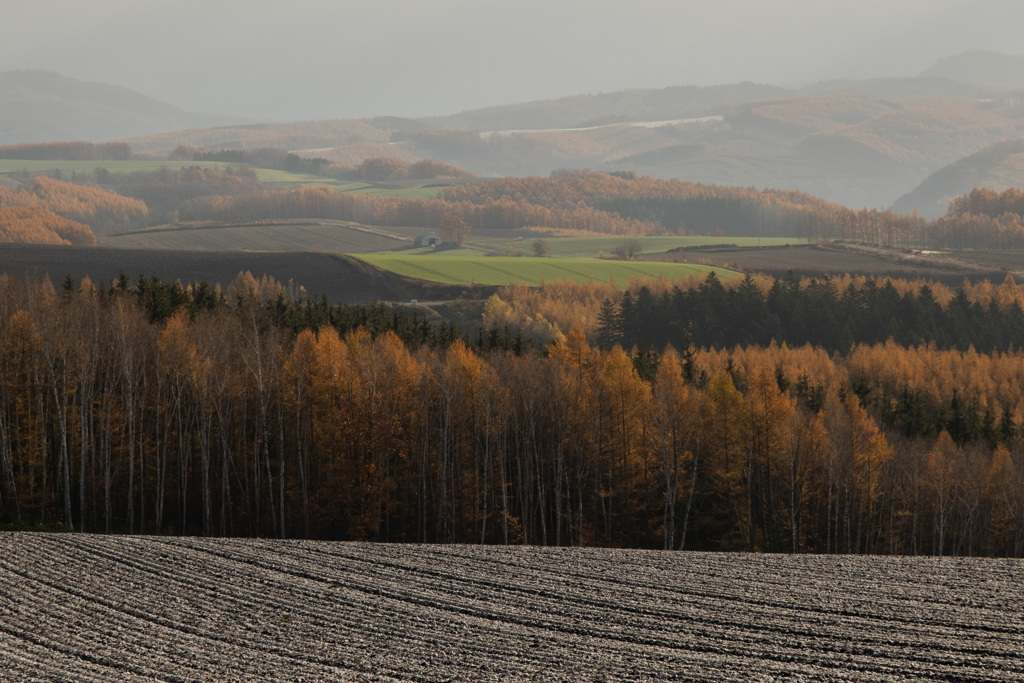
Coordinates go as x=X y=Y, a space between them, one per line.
x=981 y=66
x=856 y=142
x=997 y=167
x=42 y=106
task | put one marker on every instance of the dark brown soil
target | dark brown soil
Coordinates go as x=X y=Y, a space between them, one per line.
x=821 y=260
x=340 y=278
x=101 y=608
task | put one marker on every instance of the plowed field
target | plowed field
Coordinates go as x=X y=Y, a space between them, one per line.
x=95 y=608
x=821 y=260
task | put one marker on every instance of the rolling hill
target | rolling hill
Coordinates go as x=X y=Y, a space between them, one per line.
x=997 y=167
x=859 y=143
x=42 y=106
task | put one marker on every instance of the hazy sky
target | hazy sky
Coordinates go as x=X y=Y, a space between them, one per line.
x=316 y=59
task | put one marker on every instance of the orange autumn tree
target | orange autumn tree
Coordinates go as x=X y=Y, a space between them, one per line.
x=33 y=224
x=769 y=413
x=629 y=477
x=858 y=454
x=104 y=212
x=676 y=412
x=725 y=424
x=578 y=435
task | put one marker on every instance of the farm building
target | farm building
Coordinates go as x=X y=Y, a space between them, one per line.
x=427 y=240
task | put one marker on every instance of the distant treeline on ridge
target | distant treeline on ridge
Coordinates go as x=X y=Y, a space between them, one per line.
x=68 y=151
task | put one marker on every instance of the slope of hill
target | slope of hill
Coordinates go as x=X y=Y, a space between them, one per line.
x=859 y=143
x=580 y=111
x=309 y=136
x=244 y=609
x=997 y=167
x=41 y=106
x=882 y=88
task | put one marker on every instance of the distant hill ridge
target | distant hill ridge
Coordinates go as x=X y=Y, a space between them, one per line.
x=859 y=143
x=42 y=106
x=981 y=66
x=997 y=167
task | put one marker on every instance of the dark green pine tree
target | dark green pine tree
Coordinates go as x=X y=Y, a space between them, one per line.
x=960 y=314
x=609 y=325
x=748 y=322
x=711 y=304
x=1013 y=327
x=1007 y=427
x=629 y=323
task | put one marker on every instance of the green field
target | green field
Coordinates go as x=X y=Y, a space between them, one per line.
x=468 y=267
x=273 y=177
x=590 y=246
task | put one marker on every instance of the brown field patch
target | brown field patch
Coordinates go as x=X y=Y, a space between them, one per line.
x=820 y=260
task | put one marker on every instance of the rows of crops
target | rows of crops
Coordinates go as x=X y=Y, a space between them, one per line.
x=98 y=608
x=467 y=267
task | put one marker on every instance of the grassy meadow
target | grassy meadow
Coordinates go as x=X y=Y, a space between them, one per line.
x=458 y=267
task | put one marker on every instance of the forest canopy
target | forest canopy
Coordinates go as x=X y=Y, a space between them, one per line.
x=177 y=409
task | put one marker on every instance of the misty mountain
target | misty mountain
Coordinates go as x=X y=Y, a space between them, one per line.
x=582 y=111
x=860 y=143
x=855 y=143
x=42 y=106
x=997 y=167
x=980 y=66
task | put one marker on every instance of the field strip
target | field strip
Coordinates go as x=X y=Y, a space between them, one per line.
x=514 y=277
x=448 y=597
x=133 y=608
x=576 y=272
x=436 y=275
x=184 y=599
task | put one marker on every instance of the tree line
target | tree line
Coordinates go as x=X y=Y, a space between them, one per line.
x=371 y=169
x=815 y=312
x=979 y=219
x=68 y=151
x=581 y=202
x=164 y=190
x=324 y=202
x=567 y=202
x=119 y=413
